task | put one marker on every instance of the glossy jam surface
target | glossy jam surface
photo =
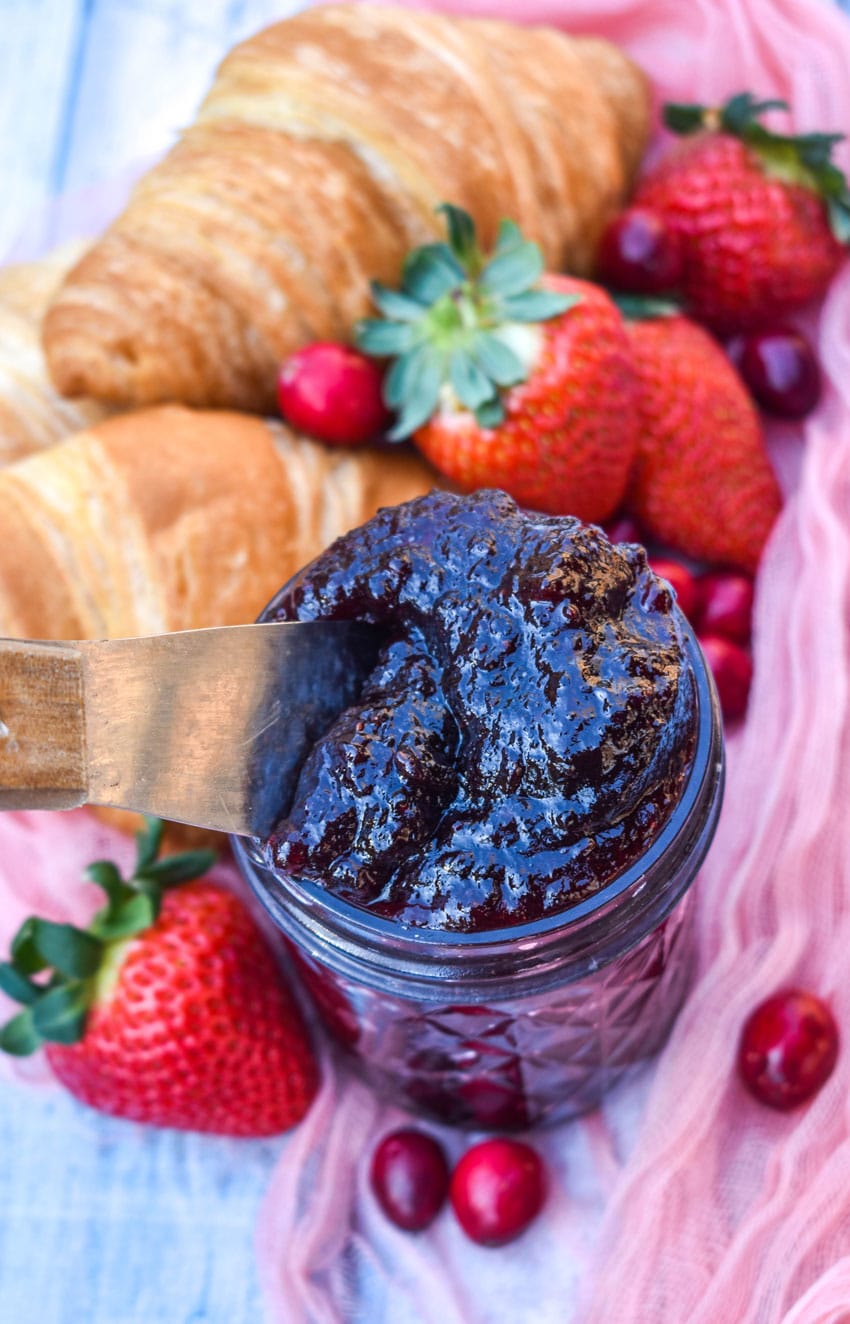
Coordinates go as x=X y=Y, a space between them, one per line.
x=525 y=734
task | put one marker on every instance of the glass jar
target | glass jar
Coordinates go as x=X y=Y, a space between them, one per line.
x=520 y=1026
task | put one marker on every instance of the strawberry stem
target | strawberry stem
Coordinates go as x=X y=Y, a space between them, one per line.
x=53 y=968
x=449 y=326
x=804 y=158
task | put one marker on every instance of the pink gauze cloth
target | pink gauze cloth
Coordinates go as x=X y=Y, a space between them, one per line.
x=680 y=1201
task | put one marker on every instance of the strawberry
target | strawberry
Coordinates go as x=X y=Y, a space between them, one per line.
x=169 y=1009
x=762 y=218
x=702 y=481
x=505 y=377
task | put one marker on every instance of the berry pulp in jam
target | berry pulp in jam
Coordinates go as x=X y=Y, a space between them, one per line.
x=525 y=734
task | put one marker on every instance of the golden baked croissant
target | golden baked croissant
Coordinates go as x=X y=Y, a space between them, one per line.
x=173 y=519
x=315 y=163
x=32 y=414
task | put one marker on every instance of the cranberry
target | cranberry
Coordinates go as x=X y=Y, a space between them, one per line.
x=623 y=529
x=495 y=1100
x=638 y=254
x=679 y=577
x=726 y=605
x=497 y=1188
x=333 y=393
x=788 y=1048
x=780 y=369
x=732 y=668
x=410 y=1178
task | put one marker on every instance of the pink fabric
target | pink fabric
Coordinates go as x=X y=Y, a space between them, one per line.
x=680 y=1200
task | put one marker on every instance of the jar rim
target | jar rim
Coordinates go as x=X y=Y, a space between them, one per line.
x=677 y=839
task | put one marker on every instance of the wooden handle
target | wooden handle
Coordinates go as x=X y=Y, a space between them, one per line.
x=42 y=726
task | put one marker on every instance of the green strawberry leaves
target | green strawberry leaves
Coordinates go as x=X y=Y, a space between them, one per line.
x=148 y=844
x=514 y=266
x=643 y=307
x=430 y=272
x=416 y=388
x=446 y=329
x=59 y=1015
x=52 y=968
x=24 y=952
x=537 y=305
x=804 y=158
x=19 y=1037
x=497 y=359
x=70 y=951
x=16 y=985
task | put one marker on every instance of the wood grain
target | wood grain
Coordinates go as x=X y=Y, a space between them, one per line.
x=42 y=726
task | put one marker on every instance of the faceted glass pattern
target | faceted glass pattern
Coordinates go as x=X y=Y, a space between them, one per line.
x=512 y=1064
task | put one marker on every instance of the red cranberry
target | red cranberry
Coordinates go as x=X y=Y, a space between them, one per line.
x=726 y=605
x=638 y=254
x=732 y=668
x=333 y=393
x=623 y=529
x=497 y=1188
x=410 y=1178
x=495 y=1099
x=679 y=577
x=788 y=1048
x=780 y=369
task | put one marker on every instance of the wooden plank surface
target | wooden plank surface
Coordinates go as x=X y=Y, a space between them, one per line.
x=90 y=88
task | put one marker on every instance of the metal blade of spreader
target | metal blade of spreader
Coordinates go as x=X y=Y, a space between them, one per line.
x=211 y=727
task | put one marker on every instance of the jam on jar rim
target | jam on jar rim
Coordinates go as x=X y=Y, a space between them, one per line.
x=635 y=898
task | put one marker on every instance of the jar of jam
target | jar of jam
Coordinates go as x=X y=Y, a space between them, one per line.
x=484 y=878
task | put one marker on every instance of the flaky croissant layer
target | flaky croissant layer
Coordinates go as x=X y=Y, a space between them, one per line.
x=174 y=519
x=315 y=163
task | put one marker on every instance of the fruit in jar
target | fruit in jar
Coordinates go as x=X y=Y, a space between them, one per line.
x=762 y=217
x=732 y=668
x=780 y=369
x=333 y=393
x=726 y=605
x=508 y=377
x=497 y=1190
x=169 y=1008
x=525 y=733
x=702 y=482
x=788 y=1048
x=639 y=254
x=409 y=1176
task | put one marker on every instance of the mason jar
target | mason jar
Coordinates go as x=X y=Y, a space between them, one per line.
x=524 y=1025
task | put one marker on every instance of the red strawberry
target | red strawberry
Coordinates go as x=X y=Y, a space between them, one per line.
x=169 y=1009
x=702 y=482
x=508 y=378
x=761 y=217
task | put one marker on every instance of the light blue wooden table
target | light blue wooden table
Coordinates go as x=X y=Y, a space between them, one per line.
x=90 y=86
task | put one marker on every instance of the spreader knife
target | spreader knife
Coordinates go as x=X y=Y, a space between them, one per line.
x=208 y=727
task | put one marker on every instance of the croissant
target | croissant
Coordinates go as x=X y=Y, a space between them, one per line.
x=32 y=414
x=316 y=161
x=173 y=519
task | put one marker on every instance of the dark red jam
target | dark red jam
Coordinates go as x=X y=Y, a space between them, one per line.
x=525 y=734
